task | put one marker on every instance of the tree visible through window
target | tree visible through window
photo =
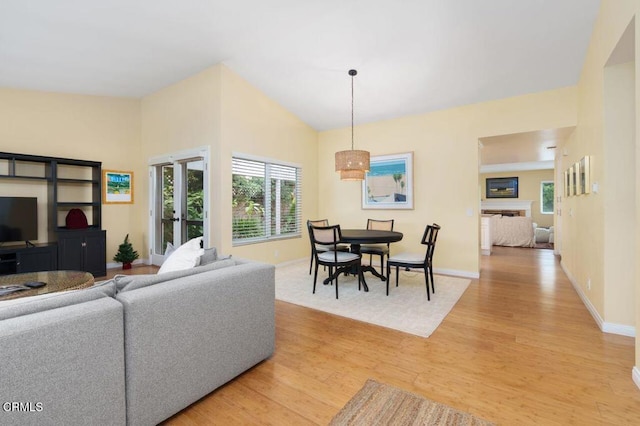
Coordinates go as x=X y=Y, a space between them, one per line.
x=546 y=197
x=266 y=200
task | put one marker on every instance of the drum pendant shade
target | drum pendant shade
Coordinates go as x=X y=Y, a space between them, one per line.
x=352 y=164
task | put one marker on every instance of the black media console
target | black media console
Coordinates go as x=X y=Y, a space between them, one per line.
x=20 y=259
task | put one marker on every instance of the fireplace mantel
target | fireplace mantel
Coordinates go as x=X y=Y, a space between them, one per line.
x=524 y=205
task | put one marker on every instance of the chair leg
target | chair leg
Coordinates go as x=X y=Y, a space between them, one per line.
x=433 y=289
x=315 y=278
x=426 y=279
x=337 y=286
x=311 y=263
x=388 y=270
x=396 y=275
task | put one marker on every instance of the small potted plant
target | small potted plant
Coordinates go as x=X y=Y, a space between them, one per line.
x=126 y=254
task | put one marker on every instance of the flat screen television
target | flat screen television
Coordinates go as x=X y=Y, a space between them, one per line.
x=18 y=219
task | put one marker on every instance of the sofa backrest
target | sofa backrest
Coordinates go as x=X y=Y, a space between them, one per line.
x=34 y=304
x=126 y=283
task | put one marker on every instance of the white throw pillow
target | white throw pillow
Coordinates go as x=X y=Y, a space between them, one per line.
x=169 y=251
x=184 y=257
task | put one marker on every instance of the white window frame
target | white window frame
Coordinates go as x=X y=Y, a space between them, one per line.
x=542 y=183
x=269 y=162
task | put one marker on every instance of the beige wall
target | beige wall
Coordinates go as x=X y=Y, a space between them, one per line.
x=219 y=109
x=256 y=125
x=183 y=116
x=528 y=189
x=74 y=126
x=590 y=223
x=619 y=200
x=446 y=172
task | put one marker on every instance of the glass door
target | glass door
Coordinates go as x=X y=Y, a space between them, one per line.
x=179 y=200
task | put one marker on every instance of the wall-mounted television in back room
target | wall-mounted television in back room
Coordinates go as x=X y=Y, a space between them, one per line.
x=502 y=187
x=18 y=219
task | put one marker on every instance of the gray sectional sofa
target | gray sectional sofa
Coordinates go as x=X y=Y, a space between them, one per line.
x=136 y=349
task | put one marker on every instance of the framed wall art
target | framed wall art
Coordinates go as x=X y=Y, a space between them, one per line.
x=117 y=187
x=584 y=176
x=575 y=179
x=502 y=187
x=389 y=182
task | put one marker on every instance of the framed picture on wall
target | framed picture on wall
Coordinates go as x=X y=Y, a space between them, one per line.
x=572 y=186
x=577 y=190
x=567 y=183
x=117 y=187
x=502 y=187
x=585 y=180
x=389 y=182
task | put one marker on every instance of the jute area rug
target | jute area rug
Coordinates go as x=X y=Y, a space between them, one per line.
x=380 y=404
x=405 y=309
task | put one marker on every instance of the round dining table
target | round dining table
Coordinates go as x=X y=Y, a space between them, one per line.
x=357 y=237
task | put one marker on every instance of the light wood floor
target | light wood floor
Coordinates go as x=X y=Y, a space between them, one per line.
x=518 y=348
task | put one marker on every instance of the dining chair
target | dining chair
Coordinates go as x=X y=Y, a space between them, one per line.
x=417 y=261
x=329 y=236
x=381 y=250
x=320 y=247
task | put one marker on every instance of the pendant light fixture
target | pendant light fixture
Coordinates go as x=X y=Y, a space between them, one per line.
x=352 y=164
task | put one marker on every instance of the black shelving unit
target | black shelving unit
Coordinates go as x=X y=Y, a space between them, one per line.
x=70 y=184
x=75 y=177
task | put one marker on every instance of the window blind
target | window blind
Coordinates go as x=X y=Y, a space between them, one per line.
x=266 y=200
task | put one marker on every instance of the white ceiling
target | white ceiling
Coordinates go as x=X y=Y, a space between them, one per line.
x=413 y=56
x=522 y=151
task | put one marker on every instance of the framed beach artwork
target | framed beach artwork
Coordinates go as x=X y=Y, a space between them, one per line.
x=117 y=187
x=389 y=182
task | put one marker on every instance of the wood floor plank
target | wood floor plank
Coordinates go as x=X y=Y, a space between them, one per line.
x=519 y=347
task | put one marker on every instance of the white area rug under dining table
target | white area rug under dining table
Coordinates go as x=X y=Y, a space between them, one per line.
x=405 y=309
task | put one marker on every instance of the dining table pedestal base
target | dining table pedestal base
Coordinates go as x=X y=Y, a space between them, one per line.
x=356 y=237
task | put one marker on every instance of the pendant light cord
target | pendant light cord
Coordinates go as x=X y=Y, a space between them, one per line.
x=352 y=73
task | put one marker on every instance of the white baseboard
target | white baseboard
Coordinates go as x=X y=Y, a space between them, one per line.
x=606 y=327
x=621 y=329
x=457 y=273
x=635 y=374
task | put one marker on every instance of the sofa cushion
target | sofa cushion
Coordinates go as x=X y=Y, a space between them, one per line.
x=184 y=257
x=133 y=282
x=218 y=264
x=44 y=302
x=209 y=255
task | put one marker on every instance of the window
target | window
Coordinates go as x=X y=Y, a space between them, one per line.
x=266 y=200
x=546 y=197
